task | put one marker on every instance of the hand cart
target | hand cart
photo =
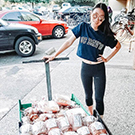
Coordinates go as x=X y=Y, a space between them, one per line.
x=22 y=107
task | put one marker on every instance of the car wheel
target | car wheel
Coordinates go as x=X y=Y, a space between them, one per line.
x=25 y=46
x=58 y=32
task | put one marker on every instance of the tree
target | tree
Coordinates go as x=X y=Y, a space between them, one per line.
x=25 y=1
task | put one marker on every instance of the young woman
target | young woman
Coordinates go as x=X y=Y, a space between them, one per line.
x=94 y=37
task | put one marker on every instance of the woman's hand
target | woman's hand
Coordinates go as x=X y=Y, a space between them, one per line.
x=48 y=58
x=101 y=59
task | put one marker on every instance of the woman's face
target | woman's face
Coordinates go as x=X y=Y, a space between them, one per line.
x=97 y=17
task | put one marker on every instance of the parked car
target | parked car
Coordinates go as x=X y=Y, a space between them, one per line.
x=55 y=7
x=70 y=12
x=65 y=5
x=57 y=29
x=21 y=38
x=40 y=10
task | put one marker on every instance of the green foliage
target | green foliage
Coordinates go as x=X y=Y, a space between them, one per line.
x=59 y=2
x=77 y=2
x=25 y=1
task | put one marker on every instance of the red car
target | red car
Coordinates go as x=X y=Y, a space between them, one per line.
x=46 y=27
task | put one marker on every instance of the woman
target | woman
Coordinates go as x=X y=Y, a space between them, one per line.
x=94 y=37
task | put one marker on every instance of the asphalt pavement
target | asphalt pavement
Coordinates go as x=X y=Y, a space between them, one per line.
x=65 y=79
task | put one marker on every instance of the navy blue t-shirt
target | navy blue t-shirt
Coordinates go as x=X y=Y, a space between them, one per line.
x=92 y=43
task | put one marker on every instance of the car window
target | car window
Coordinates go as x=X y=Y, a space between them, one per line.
x=12 y=16
x=3 y=22
x=29 y=17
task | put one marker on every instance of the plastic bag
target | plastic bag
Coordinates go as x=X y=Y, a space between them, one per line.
x=47 y=106
x=39 y=128
x=63 y=123
x=97 y=128
x=75 y=111
x=63 y=100
x=83 y=130
x=53 y=106
x=88 y=120
x=51 y=123
x=75 y=121
x=26 y=128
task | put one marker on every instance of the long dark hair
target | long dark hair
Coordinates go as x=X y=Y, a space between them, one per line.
x=105 y=26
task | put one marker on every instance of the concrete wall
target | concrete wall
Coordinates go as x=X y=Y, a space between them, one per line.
x=117 y=5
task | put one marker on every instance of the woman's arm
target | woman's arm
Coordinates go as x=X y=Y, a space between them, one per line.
x=64 y=46
x=117 y=48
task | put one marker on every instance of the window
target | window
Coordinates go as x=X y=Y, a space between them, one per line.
x=29 y=17
x=13 y=16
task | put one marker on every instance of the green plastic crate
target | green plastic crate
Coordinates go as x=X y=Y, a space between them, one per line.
x=22 y=107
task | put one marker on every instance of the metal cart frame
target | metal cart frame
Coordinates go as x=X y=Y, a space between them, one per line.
x=49 y=91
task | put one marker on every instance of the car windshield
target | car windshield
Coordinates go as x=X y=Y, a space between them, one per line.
x=3 y=22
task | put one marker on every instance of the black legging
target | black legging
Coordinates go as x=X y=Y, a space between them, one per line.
x=96 y=71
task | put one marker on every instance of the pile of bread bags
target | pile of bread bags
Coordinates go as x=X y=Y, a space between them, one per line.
x=59 y=117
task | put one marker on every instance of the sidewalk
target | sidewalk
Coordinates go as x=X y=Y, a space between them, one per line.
x=65 y=79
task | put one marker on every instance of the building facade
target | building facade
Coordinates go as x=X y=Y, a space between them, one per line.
x=119 y=4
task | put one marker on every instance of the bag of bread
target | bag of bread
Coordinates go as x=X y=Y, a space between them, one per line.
x=63 y=123
x=88 y=120
x=53 y=106
x=39 y=128
x=97 y=128
x=47 y=106
x=26 y=129
x=43 y=106
x=33 y=117
x=42 y=117
x=30 y=110
x=76 y=121
x=63 y=100
x=55 y=131
x=76 y=110
x=50 y=124
x=61 y=113
x=26 y=120
x=83 y=131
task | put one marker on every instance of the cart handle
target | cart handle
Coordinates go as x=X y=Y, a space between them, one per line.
x=43 y=60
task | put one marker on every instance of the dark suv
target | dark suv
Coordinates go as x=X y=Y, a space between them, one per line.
x=21 y=38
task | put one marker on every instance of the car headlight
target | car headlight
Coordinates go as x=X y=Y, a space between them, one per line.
x=36 y=30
